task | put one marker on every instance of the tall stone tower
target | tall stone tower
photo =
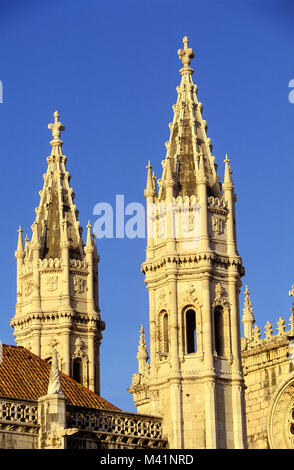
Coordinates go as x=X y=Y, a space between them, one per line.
x=57 y=279
x=192 y=271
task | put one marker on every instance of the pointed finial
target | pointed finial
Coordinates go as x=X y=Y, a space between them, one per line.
x=35 y=237
x=185 y=56
x=142 y=355
x=228 y=181
x=201 y=176
x=89 y=237
x=19 y=242
x=89 y=246
x=56 y=129
x=149 y=191
x=54 y=379
x=248 y=319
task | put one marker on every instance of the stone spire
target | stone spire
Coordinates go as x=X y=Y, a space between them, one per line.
x=54 y=385
x=248 y=319
x=57 y=203
x=188 y=137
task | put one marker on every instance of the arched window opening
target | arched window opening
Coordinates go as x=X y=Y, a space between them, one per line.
x=219 y=340
x=165 y=332
x=77 y=370
x=191 y=331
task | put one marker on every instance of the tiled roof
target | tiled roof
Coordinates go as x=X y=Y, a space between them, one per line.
x=24 y=375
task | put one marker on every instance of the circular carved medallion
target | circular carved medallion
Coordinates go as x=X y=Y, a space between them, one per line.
x=281 y=417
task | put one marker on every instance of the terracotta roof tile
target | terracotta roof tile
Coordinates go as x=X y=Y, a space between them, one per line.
x=24 y=375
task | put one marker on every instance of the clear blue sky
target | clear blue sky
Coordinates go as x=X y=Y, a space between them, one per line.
x=111 y=69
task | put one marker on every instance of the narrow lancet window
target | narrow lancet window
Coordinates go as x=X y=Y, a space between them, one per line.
x=191 y=331
x=77 y=370
x=165 y=332
x=219 y=340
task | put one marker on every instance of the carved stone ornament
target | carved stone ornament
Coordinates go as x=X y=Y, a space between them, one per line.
x=28 y=287
x=161 y=299
x=281 y=416
x=219 y=297
x=219 y=291
x=79 y=285
x=217 y=224
x=52 y=283
x=190 y=294
x=79 y=349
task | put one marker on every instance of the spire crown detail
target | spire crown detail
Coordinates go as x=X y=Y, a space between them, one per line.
x=185 y=56
x=56 y=129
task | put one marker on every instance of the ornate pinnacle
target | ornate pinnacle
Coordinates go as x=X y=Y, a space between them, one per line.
x=142 y=355
x=228 y=182
x=89 y=236
x=56 y=129
x=19 y=250
x=185 y=56
x=248 y=318
x=54 y=379
x=142 y=342
x=149 y=191
x=201 y=175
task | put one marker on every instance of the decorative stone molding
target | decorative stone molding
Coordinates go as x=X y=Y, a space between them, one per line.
x=78 y=285
x=52 y=283
x=49 y=264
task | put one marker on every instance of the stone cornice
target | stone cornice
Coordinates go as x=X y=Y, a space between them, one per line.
x=189 y=259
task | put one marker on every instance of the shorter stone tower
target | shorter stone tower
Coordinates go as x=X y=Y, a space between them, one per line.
x=57 y=279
